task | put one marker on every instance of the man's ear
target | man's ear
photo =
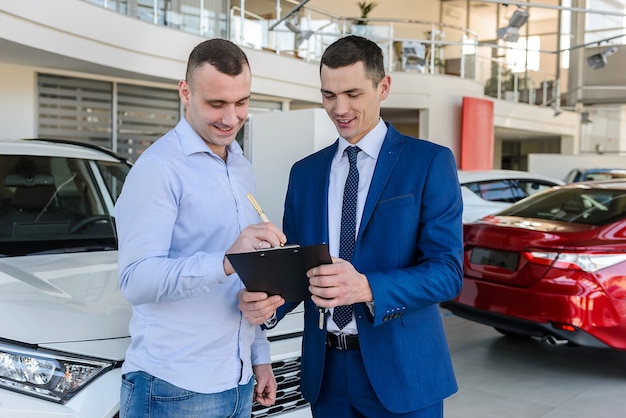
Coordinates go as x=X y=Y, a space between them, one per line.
x=384 y=87
x=184 y=91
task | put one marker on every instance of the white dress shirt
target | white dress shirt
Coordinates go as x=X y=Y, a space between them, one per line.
x=370 y=146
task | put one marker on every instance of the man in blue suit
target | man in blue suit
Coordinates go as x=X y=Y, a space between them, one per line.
x=388 y=355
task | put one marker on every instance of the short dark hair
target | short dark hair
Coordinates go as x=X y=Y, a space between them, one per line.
x=351 y=49
x=224 y=55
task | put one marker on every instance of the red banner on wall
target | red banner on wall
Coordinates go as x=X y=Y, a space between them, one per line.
x=477 y=134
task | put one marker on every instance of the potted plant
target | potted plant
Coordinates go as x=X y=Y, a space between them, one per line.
x=366 y=8
x=359 y=25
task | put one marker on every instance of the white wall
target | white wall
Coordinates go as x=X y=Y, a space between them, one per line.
x=541 y=120
x=606 y=130
x=17 y=102
x=277 y=141
x=439 y=98
x=558 y=165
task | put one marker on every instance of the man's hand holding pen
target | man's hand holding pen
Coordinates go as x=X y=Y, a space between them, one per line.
x=338 y=284
x=255 y=237
x=257 y=307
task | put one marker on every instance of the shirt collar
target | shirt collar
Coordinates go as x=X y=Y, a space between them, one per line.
x=370 y=144
x=192 y=143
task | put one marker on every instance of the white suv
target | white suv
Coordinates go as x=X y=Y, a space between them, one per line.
x=64 y=327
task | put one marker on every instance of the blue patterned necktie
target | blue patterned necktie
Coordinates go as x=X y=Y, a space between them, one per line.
x=342 y=315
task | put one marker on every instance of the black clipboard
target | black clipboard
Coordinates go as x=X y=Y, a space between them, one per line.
x=280 y=271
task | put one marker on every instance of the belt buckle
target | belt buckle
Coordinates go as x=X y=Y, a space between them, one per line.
x=342 y=340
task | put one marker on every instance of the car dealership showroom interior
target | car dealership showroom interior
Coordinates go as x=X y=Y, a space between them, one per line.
x=530 y=97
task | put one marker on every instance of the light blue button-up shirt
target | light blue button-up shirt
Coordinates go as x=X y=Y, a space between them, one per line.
x=180 y=209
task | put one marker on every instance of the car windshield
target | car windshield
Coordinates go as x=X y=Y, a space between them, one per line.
x=57 y=204
x=576 y=205
x=507 y=190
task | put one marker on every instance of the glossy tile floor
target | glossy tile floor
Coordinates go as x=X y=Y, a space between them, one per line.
x=501 y=378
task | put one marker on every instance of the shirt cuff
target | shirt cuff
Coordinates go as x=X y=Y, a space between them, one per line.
x=261 y=348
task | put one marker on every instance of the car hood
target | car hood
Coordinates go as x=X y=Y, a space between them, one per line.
x=62 y=298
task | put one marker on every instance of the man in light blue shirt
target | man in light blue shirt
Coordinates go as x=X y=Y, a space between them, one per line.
x=182 y=208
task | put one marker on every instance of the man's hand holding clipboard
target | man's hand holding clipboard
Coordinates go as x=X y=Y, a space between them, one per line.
x=274 y=275
x=280 y=271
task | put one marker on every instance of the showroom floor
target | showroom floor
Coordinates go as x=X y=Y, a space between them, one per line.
x=500 y=378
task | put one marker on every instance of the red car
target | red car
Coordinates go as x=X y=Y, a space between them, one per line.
x=551 y=266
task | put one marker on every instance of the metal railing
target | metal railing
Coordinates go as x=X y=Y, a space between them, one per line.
x=308 y=35
x=408 y=44
x=202 y=17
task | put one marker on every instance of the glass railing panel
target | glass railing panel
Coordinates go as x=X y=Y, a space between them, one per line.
x=408 y=45
x=247 y=32
x=304 y=36
x=419 y=46
x=120 y=6
x=532 y=87
x=202 y=17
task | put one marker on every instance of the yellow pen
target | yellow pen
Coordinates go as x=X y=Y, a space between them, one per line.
x=257 y=207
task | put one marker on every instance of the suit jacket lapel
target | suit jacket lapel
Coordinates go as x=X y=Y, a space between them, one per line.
x=320 y=189
x=387 y=158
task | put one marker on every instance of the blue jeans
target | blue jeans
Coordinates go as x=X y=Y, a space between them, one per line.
x=145 y=396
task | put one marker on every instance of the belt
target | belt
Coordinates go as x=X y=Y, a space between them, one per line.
x=342 y=341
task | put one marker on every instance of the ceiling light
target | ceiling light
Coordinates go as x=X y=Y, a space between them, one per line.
x=301 y=35
x=597 y=61
x=519 y=18
x=584 y=118
x=510 y=33
x=292 y=25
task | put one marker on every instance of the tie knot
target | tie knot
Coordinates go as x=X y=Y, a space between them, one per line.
x=352 y=152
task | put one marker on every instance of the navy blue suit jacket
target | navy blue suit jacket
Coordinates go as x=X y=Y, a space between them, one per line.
x=409 y=246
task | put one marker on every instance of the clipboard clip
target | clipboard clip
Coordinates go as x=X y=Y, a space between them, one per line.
x=285 y=247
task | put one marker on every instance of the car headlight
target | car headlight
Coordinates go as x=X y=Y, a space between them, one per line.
x=47 y=375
